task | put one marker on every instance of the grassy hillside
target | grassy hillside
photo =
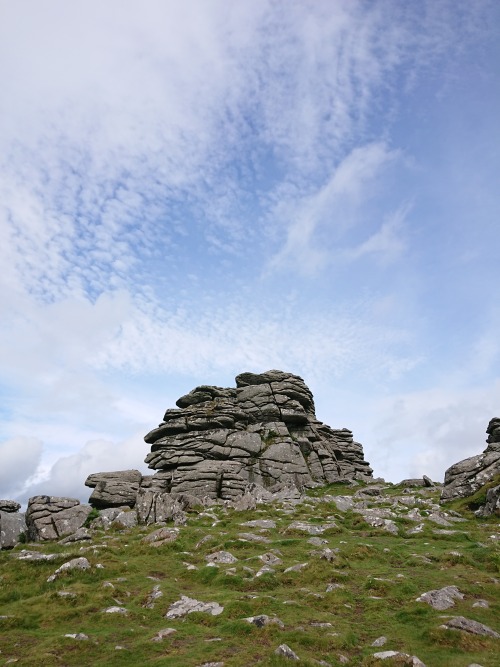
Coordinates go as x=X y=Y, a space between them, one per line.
x=332 y=608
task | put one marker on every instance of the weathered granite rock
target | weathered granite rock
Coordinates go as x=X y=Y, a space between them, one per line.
x=74 y=564
x=50 y=517
x=187 y=605
x=220 y=440
x=114 y=489
x=12 y=525
x=492 y=505
x=9 y=506
x=442 y=598
x=468 y=476
x=157 y=507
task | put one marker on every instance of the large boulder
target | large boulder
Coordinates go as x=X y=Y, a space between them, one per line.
x=466 y=477
x=12 y=526
x=9 y=506
x=114 y=489
x=265 y=432
x=50 y=517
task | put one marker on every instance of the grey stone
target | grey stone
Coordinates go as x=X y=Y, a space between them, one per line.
x=9 y=506
x=262 y=620
x=116 y=610
x=151 y=599
x=161 y=536
x=221 y=558
x=260 y=523
x=81 y=535
x=442 y=598
x=310 y=528
x=74 y=564
x=402 y=658
x=114 y=489
x=79 y=636
x=157 y=507
x=188 y=605
x=466 y=477
x=286 y=652
x=12 y=526
x=473 y=627
x=51 y=517
x=492 y=505
x=161 y=634
x=380 y=641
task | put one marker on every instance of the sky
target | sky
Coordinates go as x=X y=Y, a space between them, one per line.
x=193 y=190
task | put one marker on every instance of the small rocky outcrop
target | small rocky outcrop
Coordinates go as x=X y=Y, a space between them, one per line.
x=463 y=479
x=50 y=517
x=264 y=431
x=114 y=489
x=492 y=504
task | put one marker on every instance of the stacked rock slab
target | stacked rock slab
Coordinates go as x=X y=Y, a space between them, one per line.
x=264 y=431
x=463 y=479
x=114 y=489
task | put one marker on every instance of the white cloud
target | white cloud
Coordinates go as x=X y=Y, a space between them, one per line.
x=67 y=475
x=334 y=207
x=19 y=459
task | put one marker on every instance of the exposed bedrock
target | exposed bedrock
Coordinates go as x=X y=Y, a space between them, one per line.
x=466 y=477
x=264 y=431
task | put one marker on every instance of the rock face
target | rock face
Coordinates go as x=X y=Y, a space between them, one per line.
x=50 y=517
x=468 y=476
x=114 y=489
x=12 y=525
x=264 y=431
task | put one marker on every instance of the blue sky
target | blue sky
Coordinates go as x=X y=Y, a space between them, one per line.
x=192 y=191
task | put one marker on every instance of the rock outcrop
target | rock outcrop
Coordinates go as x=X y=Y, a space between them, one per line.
x=463 y=479
x=264 y=431
x=114 y=489
x=50 y=517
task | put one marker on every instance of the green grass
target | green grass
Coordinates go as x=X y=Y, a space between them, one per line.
x=380 y=574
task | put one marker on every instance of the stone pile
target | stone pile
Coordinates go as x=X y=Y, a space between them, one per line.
x=466 y=477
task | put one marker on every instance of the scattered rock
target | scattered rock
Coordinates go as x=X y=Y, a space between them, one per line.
x=221 y=558
x=75 y=564
x=442 y=598
x=161 y=536
x=263 y=620
x=310 y=528
x=260 y=523
x=484 y=604
x=402 y=658
x=286 y=652
x=296 y=568
x=188 y=605
x=82 y=534
x=115 y=610
x=380 y=641
x=153 y=597
x=161 y=634
x=80 y=636
x=473 y=627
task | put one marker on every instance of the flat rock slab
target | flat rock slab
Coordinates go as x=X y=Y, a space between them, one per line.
x=442 y=598
x=473 y=627
x=221 y=558
x=74 y=564
x=260 y=523
x=310 y=528
x=402 y=658
x=188 y=605
x=262 y=620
